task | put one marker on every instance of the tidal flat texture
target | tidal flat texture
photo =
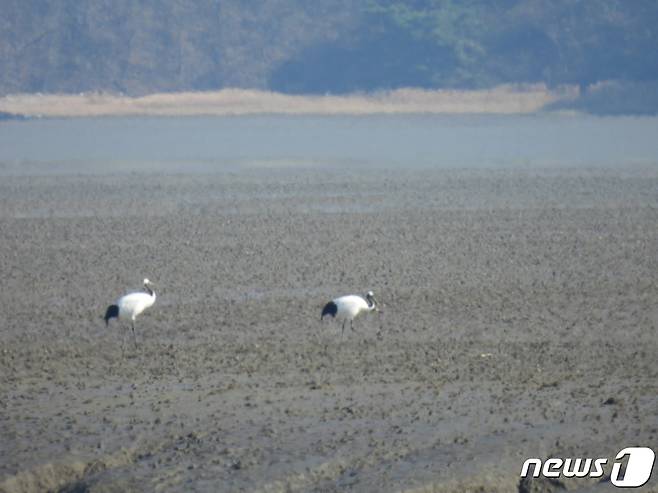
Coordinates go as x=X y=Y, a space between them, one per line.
x=519 y=319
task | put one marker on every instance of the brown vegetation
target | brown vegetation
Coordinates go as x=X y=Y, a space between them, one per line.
x=502 y=99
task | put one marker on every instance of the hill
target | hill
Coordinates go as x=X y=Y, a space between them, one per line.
x=332 y=46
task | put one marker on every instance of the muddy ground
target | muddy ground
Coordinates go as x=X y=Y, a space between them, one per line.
x=520 y=320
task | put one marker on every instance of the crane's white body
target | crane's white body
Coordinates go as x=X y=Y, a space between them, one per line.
x=349 y=307
x=133 y=304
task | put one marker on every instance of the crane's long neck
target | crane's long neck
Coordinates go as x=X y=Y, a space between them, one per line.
x=150 y=292
x=371 y=304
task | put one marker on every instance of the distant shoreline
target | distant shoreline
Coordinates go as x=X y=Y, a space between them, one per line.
x=505 y=99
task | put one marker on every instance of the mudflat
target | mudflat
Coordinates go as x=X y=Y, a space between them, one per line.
x=519 y=319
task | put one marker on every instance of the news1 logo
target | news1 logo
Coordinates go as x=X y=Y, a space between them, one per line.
x=639 y=465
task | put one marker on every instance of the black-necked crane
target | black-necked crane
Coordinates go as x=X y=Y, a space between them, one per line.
x=349 y=307
x=128 y=307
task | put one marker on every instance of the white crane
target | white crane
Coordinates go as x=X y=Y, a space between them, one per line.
x=131 y=305
x=349 y=307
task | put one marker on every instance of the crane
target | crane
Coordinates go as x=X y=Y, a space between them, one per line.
x=128 y=307
x=349 y=307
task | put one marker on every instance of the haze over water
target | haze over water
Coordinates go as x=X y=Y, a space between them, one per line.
x=213 y=143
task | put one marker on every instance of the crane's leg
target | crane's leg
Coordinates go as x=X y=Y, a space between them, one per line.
x=352 y=325
x=342 y=330
x=123 y=342
x=134 y=336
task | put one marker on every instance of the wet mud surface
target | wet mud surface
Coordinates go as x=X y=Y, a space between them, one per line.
x=520 y=320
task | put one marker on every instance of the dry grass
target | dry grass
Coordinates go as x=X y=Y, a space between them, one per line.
x=504 y=99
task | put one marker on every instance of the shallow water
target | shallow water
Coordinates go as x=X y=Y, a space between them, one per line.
x=206 y=144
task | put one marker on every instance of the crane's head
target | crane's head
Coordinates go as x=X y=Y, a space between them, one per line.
x=370 y=296
x=148 y=287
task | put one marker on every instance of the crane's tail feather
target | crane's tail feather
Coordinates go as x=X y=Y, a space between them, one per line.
x=111 y=312
x=329 y=309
